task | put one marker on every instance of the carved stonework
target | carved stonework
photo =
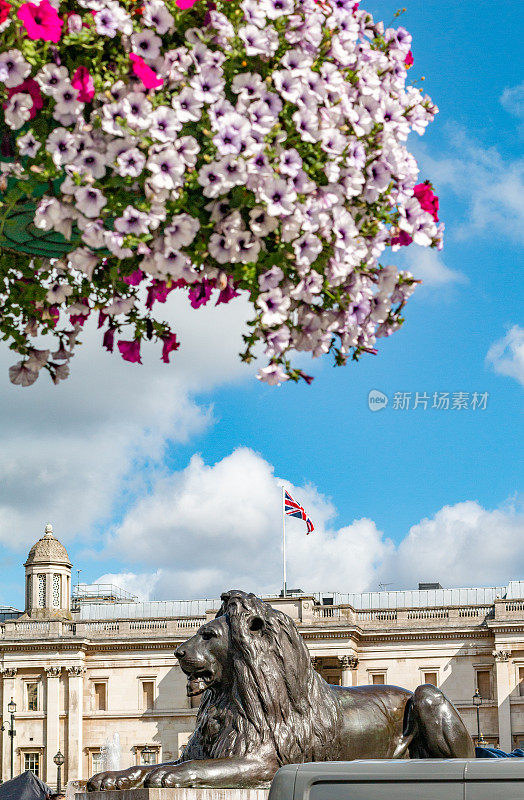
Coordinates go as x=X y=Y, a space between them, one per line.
x=348 y=662
x=9 y=672
x=501 y=655
x=53 y=672
x=75 y=671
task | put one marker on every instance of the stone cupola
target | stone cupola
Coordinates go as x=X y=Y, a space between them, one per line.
x=48 y=579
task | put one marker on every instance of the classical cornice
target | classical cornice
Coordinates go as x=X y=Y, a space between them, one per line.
x=86 y=646
x=423 y=634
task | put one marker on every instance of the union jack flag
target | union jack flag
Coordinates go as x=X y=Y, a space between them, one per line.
x=294 y=509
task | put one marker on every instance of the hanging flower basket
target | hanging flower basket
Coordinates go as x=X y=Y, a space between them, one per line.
x=213 y=148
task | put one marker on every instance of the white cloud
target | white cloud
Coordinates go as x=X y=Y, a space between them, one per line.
x=492 y=187
x=73 y=451
x=512 y=100
x=427 y=265
x=211 y=527
x=462 y=545
x=506 y=356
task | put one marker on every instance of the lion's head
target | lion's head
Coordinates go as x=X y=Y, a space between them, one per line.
x=258 y=683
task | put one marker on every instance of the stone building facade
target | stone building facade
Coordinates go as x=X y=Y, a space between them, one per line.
x=80 y=675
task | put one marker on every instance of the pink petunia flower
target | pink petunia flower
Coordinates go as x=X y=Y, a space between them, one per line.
x=147 y=75
x=408 y=61
x=83 y=83
x=170 y=343
x=183 y=4
x=130 y=351
x=31 y=87
x=41 y=21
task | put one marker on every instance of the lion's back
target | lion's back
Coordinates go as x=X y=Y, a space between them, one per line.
x=372 y=719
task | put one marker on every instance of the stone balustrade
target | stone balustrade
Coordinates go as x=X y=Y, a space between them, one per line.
x=387 y=618
x=311 y=614
x=102 y=629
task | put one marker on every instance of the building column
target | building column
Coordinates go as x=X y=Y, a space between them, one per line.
x=503 y=701
x=8 y=675
x=75 y=720
x=348 y=666
x=52 y=740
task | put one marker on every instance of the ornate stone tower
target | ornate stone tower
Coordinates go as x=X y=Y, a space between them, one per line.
x=48 y=579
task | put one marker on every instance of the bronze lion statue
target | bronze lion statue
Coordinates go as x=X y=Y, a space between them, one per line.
x=264 y=706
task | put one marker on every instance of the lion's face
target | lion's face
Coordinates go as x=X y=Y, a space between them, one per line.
x=204 y=657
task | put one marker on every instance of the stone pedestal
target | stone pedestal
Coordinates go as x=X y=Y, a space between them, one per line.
x=177 y=794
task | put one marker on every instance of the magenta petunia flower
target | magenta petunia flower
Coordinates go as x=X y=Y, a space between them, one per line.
x=30 y=87
x=200 y=293
x=130 y=351
x=109 y=339
x=170 y=343
x=147 y=75
x=159 y=290
x=41 y=21
x=134 y=279
x=408 y=61
x=183 y=4
x=4 y=10
x=427 y=198
x=227 y=294
x=401 y=238
x=83 y=83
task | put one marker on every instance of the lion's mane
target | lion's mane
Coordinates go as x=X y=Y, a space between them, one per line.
x=275 y=699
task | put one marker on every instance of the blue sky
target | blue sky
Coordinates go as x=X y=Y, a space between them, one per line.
x=127 y=514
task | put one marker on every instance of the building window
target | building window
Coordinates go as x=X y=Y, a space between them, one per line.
x=148 y=695
x=484 y=683
x=32 y=763
x=148 y=755
x=378 y=678
x=100 y=695
x=521 y=681
x=41 y=591
x=31 y=696
x=57 y=587
x=97 y=762
x=431 y=677
x=28 y=598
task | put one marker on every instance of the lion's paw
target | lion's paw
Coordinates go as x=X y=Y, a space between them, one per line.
x=175 y=777
x=126 y=779
x=101 y=782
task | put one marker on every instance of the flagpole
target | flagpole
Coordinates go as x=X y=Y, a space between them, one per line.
x=283 y=541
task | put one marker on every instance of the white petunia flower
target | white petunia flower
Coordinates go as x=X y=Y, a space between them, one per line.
x=28 y=145
x=146 y=44
x=89 y=201
x=18 y=110
x=51 y=78
x=157 y=16
x=13 y=68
